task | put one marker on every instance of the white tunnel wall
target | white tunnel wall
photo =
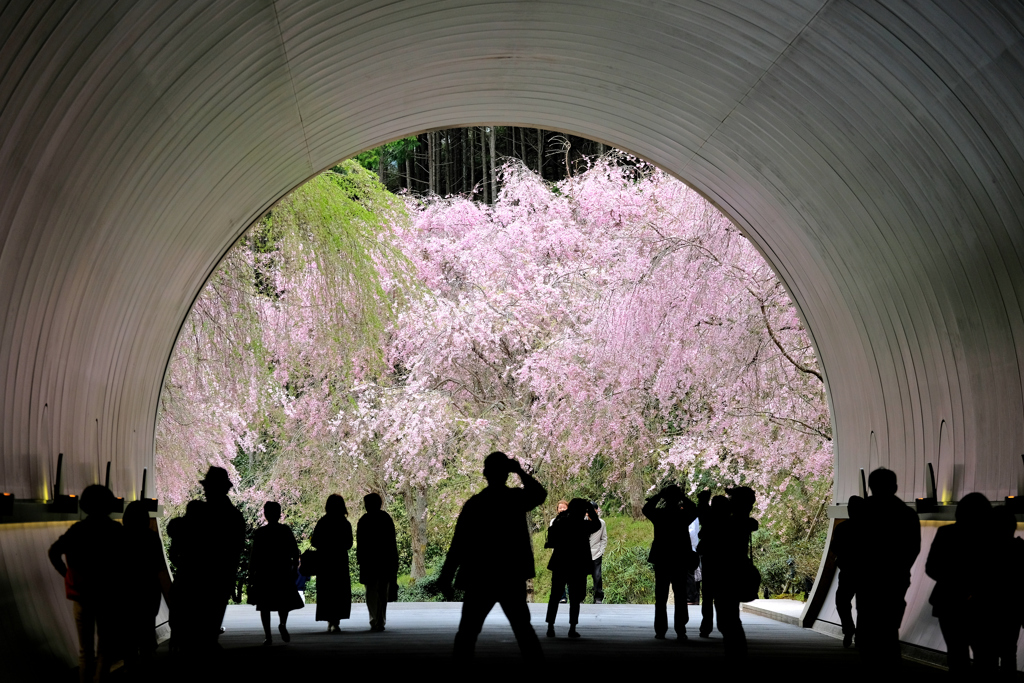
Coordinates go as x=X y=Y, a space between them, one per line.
x=872 y=151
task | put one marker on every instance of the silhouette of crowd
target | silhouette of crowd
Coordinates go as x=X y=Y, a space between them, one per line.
x=115 y=574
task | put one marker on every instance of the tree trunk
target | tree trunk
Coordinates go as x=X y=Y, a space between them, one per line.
x=431 y=170
x=408 y=174
x=416 y=505
x=540 y=153
x=380 y=165
x=449 y=159
x=462 y=146
x=494 y=171
x=483 y=164
x=472 y=162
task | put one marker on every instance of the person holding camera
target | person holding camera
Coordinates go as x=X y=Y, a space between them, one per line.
x=671 y=554
x=492 y=553
x=569 y=536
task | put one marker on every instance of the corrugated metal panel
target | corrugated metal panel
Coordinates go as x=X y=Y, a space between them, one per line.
x=873 y=151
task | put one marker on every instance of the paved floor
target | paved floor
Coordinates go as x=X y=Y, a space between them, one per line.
x=616 y=639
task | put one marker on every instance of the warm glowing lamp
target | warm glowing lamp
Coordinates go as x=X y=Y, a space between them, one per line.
x=6 y=504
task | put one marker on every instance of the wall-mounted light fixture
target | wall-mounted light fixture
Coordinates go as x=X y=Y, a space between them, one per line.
x=118 y=504
x=149 y=504
x=928 y=503
x=6 y=504
x=61 y=503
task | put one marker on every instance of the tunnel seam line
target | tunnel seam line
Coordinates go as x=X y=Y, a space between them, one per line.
x=291 y=82
x=753 y=85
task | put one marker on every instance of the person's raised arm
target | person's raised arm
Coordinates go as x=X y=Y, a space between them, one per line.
x=534 y=493
x=650 y=508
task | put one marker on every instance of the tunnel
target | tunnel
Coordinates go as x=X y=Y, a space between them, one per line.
x=872 y=151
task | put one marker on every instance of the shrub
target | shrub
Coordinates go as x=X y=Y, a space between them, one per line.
x=627 y=576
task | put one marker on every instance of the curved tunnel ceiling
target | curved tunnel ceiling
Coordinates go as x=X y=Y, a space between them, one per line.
x=873 y=152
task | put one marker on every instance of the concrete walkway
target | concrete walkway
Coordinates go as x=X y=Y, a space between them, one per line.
x=616 y=638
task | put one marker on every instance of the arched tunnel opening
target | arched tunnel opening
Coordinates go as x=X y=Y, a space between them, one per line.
x=596 y=296
x=872 y=152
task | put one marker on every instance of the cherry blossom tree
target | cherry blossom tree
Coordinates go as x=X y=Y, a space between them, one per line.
x=612 y=327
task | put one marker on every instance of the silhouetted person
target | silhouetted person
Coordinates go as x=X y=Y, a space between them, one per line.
x=332 y=538
x=598 y=543
x=224 y=538
x=1002 y=597
x=272 y=572
x=187 y=591
x=846 y=545
x=569 y=536
x=377 y=554
x=713 y=514
x=957 y=562
x=145 y=578
x=671 y=554
x=734 y=567
x=95 y=552
x=891 y=543
x=560 y=507
x=492 y=553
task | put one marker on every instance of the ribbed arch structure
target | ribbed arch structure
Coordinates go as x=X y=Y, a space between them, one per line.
x=872 y=151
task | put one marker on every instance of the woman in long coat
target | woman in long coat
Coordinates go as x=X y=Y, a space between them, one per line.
x=332 y=538
x=272 y=565
x=569 y=535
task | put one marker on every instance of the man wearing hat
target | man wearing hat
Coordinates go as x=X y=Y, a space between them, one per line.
x=221 y=539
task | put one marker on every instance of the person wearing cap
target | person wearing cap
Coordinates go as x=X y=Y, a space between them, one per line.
x=493 y=557
x=221 y=538
x=95 y=549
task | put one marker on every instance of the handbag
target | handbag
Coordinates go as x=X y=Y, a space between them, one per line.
x=750 y=576
x=308 y=563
